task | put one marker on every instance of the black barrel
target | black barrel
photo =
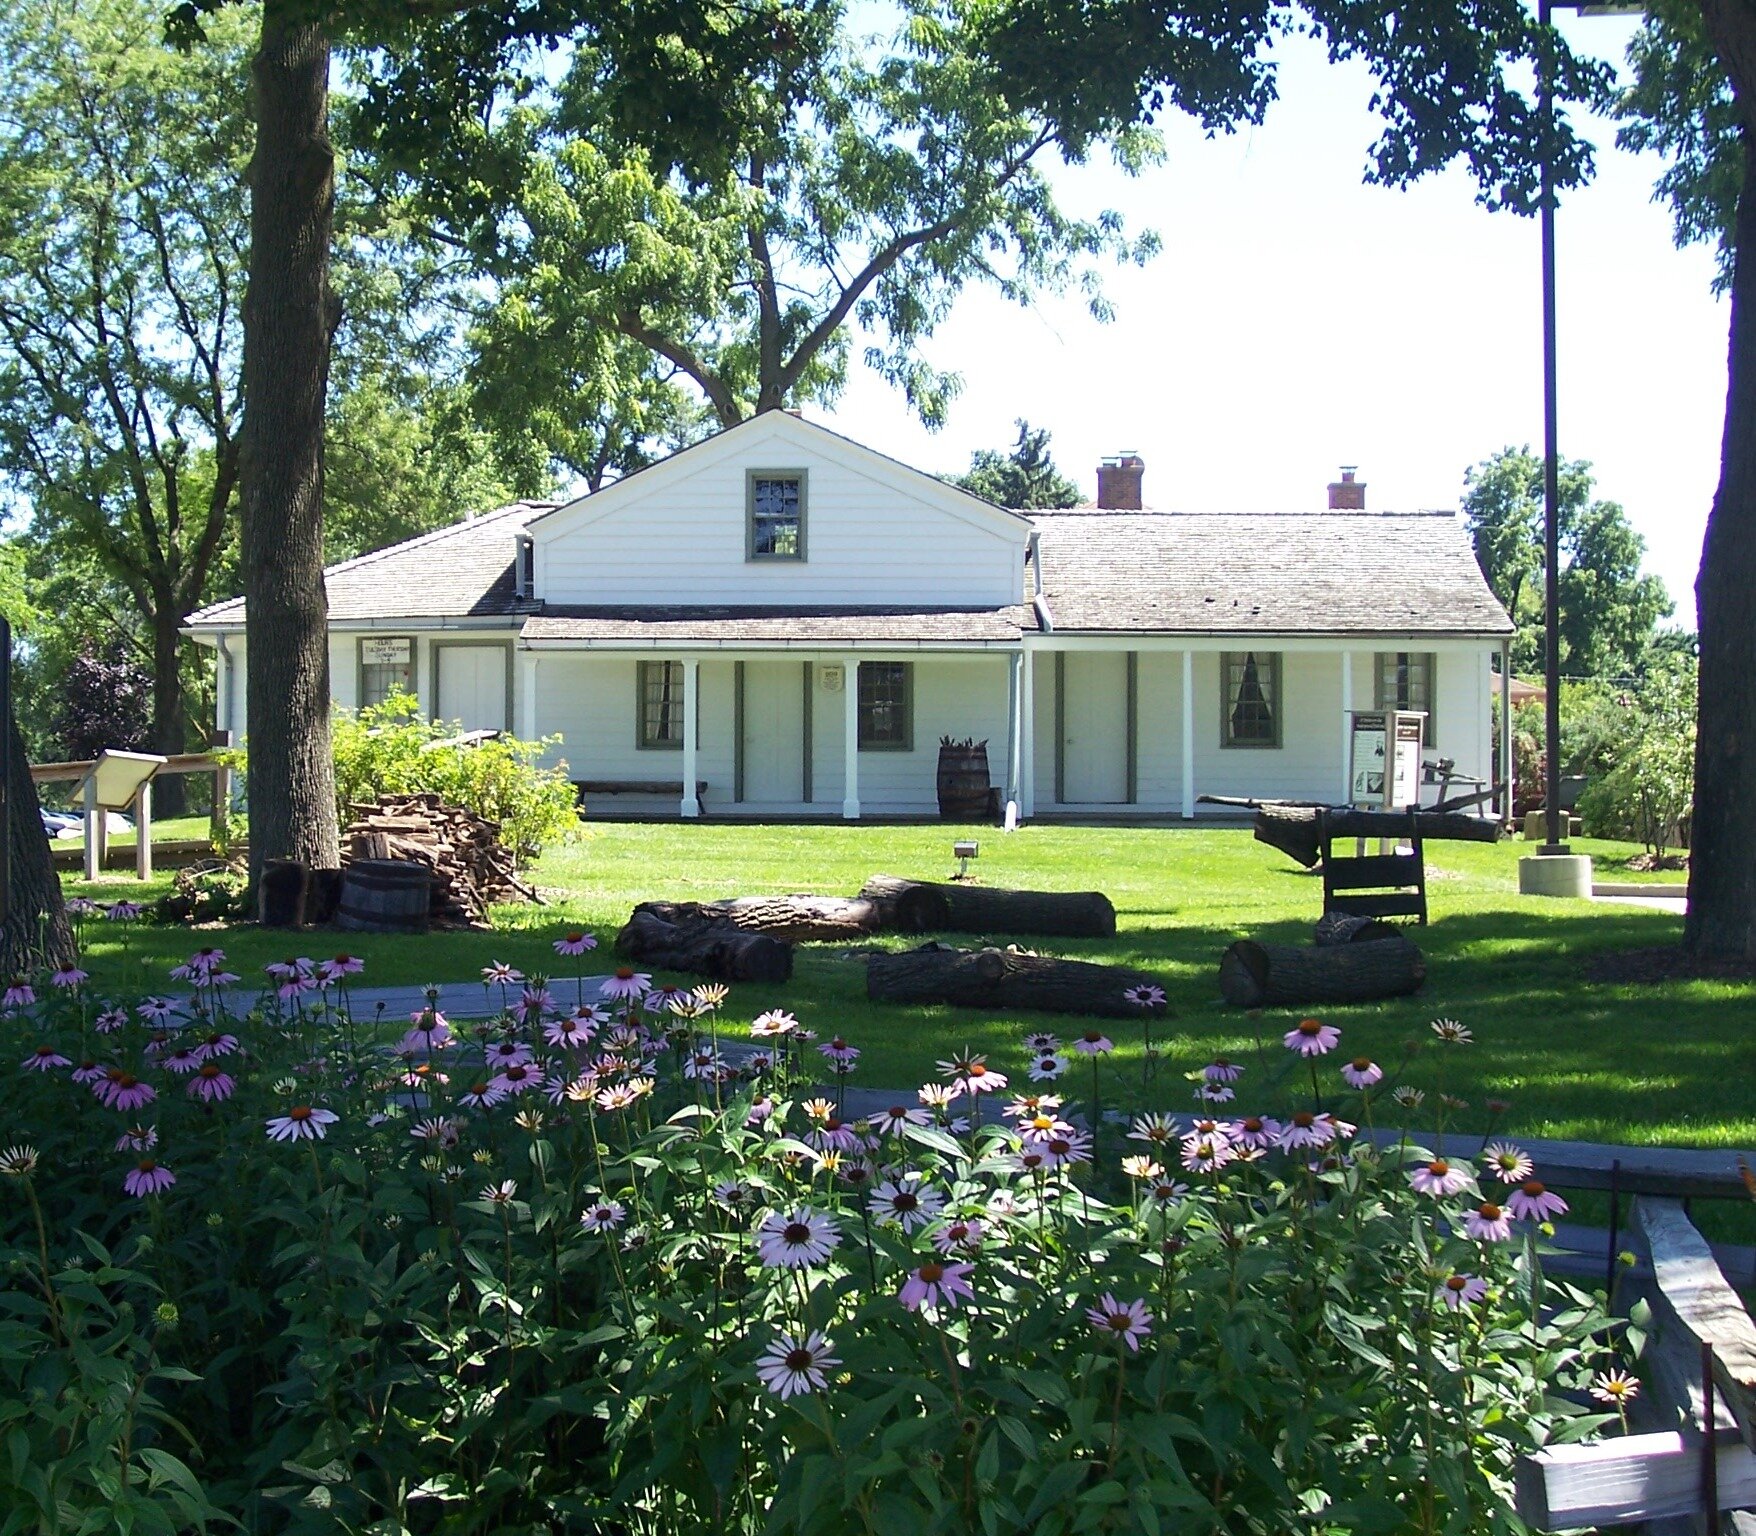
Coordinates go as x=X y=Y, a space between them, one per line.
x=963 y=780
x=385 y=896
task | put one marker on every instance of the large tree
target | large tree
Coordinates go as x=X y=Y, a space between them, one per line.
x=120 y=271
x=1609 y=609
x=1024 y=477
x=1694 y=98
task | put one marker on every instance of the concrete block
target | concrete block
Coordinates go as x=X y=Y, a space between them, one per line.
x=1555 y=874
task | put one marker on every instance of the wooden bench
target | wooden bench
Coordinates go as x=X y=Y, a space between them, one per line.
x=1372 y=884
x=671 y=787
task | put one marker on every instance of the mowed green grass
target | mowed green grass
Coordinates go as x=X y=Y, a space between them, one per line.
x=1576 y=1057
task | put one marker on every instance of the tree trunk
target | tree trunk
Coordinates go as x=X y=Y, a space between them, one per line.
x=1001 y=980
x=796 y=919
x=170 y=714
x=1350 y=928
x=1253 y=975
x=1722 y=858
x=289 y=318
x=920 y=906
x=705 y=949
x=1293 y=828
x=36 y=928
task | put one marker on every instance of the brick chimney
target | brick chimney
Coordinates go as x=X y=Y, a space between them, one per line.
x=1347 y=494
x=1119 y=482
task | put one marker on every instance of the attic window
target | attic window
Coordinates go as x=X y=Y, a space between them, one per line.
x=525 y=567
x=774 y=502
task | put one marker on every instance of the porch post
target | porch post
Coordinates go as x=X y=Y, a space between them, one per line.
x=1347 y=705
x=691 y=685
x=525 y=706
x=850 y=796
x=1188 y=735
x=1027 y=734
x=1014 y=744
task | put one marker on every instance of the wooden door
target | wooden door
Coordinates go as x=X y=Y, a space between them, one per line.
x=1094 y=728
x=472 y=686
x=773 y=727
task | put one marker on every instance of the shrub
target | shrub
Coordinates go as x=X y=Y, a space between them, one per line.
x=391 y=748
x=1649 y=755
x=572 y=1270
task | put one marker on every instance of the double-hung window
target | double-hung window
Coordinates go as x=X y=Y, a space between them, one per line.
x=774 y=514
x=1405 y=681
x=1250 y=692
x=661 y=705
x=886 y=703
x=387 y=666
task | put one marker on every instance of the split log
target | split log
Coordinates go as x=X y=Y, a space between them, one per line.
x=1293 y=828
x=1253 y=975
x=1351 y=928
x=1002 y=980
x=921 y=906
x=796 y=919
x=705 y=949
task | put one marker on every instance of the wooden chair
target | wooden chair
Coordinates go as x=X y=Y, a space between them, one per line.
x=1371 y=884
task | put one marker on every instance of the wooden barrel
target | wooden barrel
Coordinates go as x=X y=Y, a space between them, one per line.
x=385 y=896
x=963 y=780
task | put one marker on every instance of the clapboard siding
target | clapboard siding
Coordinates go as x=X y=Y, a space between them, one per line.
x=680 y=539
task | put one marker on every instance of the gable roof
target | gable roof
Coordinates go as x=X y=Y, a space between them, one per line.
x=1292 y=573
x=464 y=571
x=728 y=441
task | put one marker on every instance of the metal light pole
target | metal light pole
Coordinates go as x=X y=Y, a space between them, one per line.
x=1557 y=828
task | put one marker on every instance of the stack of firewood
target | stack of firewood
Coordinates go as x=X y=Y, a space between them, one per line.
x=472 y=868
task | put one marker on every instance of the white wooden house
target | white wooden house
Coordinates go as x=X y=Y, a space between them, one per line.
x=795 y=621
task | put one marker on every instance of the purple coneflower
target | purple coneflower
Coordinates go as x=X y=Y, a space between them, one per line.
x=536 y=1001
x=703 y=1063
x=1042 y=1043
x=122 y=911
x=971 y=1074
x=1451 y=1032
x=1256 y=1133
x=1362 y=1072
x=1159 y=1129
x=796 y=1238
x=19 y=994
x=1215 y=1093
x=1305 y=1129
x=519 y=1077
x=775 y=1022
x=1127 y=1324
x=301 y=1123
x=89 y=1071
x=760 y=1110
x=1168 y=1192
x=110 y=1020
x=155 y=1010
x=1487 y=1223
x=1042 y=1122
x=67 y=976
x=1221 y=1070
x=895 y=1120
x=183 y=1060
x=289 y=969
x=1311 y=1037
x=43 y=1059
x=210 y=1084
x=571 y=1032
x=1094 y=1043
x=794 y=1364
x=627 y=984
x=499 y=973
x=1045 y=1069
x=480 y=1096
x=935 y=1285
x=939 y=1095
x=839 y=1051
x=575 y=942
x=343 y=965
x=1145 y=996
x=1458 y=1291
x=906 y=1201
x=604 y=1216
x=138 y=1138
x=1440 y=1178
x=148 y=1178
x=1510 y=1165
x=503 y=1193
x=124 y=1091
x=217 y=1044
x=18 y=1161
x=963 y=1236
x=508 y=1053
x=1206 y=1154
x=80 y=906
x=1062 y=1149
x=1534 y=1201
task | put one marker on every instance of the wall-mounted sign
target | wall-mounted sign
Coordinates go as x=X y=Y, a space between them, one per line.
x=378 y=651
x=1384 y=761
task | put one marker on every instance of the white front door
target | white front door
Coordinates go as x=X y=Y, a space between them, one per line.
x=1094 y=727
x=472 y=685
x=774 y=733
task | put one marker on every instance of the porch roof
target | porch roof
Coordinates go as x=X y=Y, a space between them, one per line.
x=722 y=626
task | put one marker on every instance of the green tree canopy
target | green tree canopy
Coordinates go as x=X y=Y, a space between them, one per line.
x=1025 y=477
x=1609 y=609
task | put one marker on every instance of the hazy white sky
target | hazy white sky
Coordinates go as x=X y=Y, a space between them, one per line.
x=1298 y=320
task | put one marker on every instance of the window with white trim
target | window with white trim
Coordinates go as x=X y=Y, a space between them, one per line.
x=661 y=705
x=1406 y=681
x=886 y=706
x=387 y=666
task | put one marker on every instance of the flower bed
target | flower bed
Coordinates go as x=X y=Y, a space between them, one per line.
x=587 y=1266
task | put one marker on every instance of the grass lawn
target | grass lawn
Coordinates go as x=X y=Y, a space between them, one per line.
x=1673 y=1062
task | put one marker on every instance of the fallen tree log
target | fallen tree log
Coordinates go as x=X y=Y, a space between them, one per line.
x=1255 y=975
x=796 y=919
x=1002 y=979
x=921 y=906
x=1293 y=828
x=705 y=949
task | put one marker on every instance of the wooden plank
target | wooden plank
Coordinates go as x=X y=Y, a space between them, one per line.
x=1627 y=1479
x=1408 y=904
x=1692 y=1296
x=1374 y=870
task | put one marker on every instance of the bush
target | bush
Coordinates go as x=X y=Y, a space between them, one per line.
x=392 y=749
x=609 y=1283
x=1648 y=750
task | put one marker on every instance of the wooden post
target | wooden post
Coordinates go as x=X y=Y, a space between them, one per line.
x=94 y=829
x=850 y=795
x=1188 y=736
x=143 y=831
x=690 y=806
